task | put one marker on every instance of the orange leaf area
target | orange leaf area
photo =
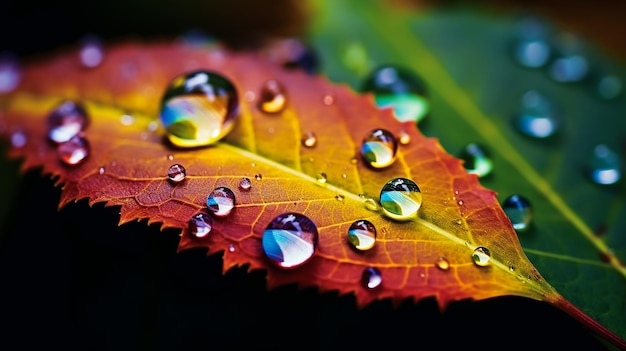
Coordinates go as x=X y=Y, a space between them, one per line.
x=129 y=159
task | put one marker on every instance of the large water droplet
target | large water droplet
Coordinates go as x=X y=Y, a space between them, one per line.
x=73 y=151
x=481 y=256
x=477 y=159
x=400 y=198
x=531 y=46
x=245 y=184
x=200 y=225
x=10 y=72
x=379 y=148
x=536 y=117
x=519 y=210
x=605 y=165
x=400 y=89
x=176 y=173
x=221 y=201
x=362 y=235
x=371 y=278
x=67 y=120
x=273 y=97
x=199 y=108
x=290 y=240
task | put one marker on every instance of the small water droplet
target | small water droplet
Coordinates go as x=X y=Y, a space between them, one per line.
x=536 y=117
x=531 y=46
x=371 y=278
x=519 y=210
x=362 y=235
x=10 y=72
x=442 y=263
x=200 y=225
x=400 y=198
x=18 y=139
x=73 y=151
x=371 y=204
x=354 y=160
x=249 y=96
x=328 y=100
x=91 y=52
x=245 y=184
x=476 y=159
x=127 y=119
x=221 y=201
x=404 y=137
x=481 y=256
x=273 y=97
x=512 y=268
x=231 y=248
x=460 y=202
x=199 y=108
x=339 y=197
x=101 y=170
x=344 y=176
x=258 y=176
x=290 y=240
x=67 y=120
x=176 y=173
x=568 y=64
x=605 y=165
x=379 y=148
x=400 y=89
x=309 y=139
x=322 y=177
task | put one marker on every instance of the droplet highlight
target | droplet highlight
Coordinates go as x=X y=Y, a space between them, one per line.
x=400 y=89
x=74 y=151
x=221 y=201
x=481 y=256
x=290 y=240
x=536 y=117
x=371 y=278
x=379 y=148
x=200 y=225
x=362 y=235
x=245 y=184
x=605 y=165
x=309 y=139
x=476 y=159
x=519 y=210
x=66 y=120
x=531 y=47
x=322 y=177
x=176 y=173
x=199 y=108
x=273 y=97
x=442 y=263
x=400 y=199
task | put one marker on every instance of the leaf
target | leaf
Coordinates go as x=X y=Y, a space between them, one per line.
x=128 y=162
x=576 y=240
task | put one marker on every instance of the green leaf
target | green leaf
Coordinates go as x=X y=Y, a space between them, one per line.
x=577 y=237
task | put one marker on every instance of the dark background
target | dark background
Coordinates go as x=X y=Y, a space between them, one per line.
x=72 y=279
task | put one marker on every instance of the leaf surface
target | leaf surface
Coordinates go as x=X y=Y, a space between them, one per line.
x=474 y=87
x=128 y=162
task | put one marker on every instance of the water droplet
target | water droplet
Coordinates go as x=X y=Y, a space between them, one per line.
x=400 y=198
x=519 y=210
x=400 y=89
x=245 y=184
x=362 y=235
x=354 y=160
x=339 y=197
x=199 y=108
x=67 y=120
x=608 y=87
x=273 y=97
x=127 y=120
x=460 y=202
x=371 y=204
x=309 y=139
x=404 y=137
x=290 y=240
x=442 y=263
x=221 y=201
x=605 y=167
x=371 y=278
x=231 y=248
x=476 y=160
x=18 y=139
x=293 y=53
x=379 y=148
x=91 y=52
x=531 y=45
x=101 y=170
x=200 y=225
x=569 y=63
x=322 y=177
x=512 y=268
x=258 y=176
x=10 y=72
x=169 y=157
x=176 y=173
x=328 y=100
x=73 y=151
x=536 y=117
x=481 y=256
